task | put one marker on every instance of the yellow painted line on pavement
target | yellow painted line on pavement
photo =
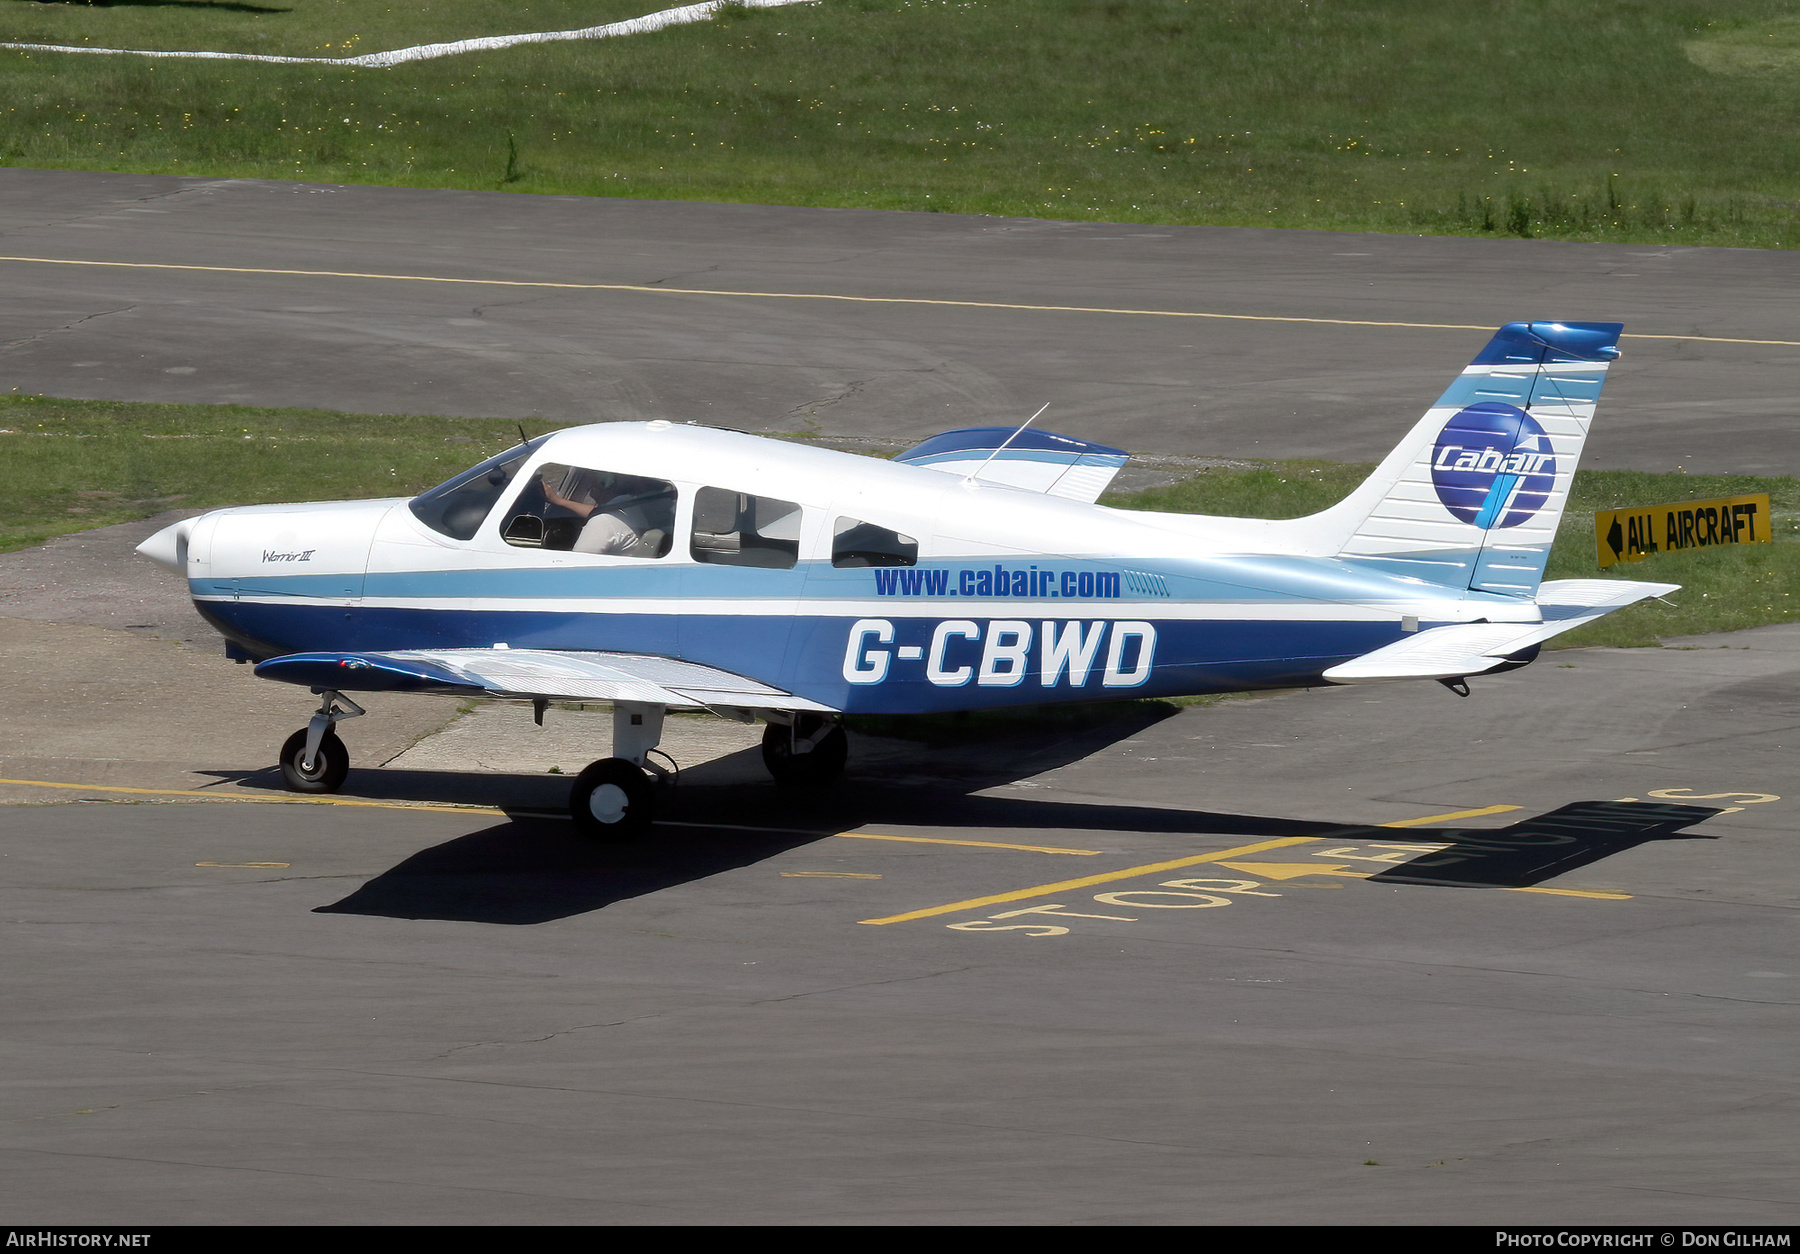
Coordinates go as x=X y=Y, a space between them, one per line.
x=1044 y=890
x=829 y=296
x=1296 y=870
x=1573 y=892
x=1446 y=818
x=1472 y=814
x=978 y=844
x=911 y=840
x=284 y=799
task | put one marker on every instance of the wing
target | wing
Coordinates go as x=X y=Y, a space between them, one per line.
x=1038 y=461
x=526 y=674
x=1465 y=649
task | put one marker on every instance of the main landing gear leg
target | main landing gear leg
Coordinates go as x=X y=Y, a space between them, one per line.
x=804 y=750
x=314 y=759
x=614 y=799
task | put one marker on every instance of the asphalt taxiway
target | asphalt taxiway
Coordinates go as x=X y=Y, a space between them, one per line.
x=1179 y=340
x=1329 y=957
x=1352 y=955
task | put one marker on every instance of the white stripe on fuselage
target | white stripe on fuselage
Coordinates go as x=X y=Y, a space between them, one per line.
x=891 y=607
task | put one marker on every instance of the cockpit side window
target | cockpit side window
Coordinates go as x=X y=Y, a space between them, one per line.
x=457 y=507
x=738 y=529
x=580 y=510
x=858 y=543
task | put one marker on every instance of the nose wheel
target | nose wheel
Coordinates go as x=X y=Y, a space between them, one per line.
x=313 y=759
x=324 y=772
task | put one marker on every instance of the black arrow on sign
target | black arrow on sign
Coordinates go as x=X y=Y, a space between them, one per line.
x=1615 y=539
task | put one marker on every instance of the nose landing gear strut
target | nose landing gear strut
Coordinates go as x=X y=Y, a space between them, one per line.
x=314 y=759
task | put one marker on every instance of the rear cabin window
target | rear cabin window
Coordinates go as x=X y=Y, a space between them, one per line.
x=858 y=543
x=738 y=529
x=457 y=507
x=580 y=510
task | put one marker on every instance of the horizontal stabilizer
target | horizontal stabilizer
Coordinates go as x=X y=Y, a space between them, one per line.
x=1453 y=652
x=1464 y=649
x=525 y=674
x=1038 y=461
x=1587 y=599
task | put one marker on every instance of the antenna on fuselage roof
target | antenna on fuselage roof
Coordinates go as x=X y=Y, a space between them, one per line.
x=523 y=438
x=1009 y=439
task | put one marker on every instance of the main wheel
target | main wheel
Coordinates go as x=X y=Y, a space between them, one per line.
x=612 y=801
x=328 y=769
x=804 y=770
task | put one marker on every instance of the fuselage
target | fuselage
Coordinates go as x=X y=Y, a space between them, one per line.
x=862 y=584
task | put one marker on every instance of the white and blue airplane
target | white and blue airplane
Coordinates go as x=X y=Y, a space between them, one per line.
x=658 y=566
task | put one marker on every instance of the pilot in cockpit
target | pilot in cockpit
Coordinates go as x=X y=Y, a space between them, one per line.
x=621 y=517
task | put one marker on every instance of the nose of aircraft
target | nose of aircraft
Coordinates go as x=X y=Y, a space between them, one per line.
x=168 y=548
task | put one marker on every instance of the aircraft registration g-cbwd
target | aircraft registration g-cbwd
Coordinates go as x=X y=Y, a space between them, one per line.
x=659 y=566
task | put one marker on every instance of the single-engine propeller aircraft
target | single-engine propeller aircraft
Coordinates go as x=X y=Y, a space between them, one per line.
x=655 y=566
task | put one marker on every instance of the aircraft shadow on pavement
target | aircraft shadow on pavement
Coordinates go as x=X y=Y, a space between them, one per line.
x=534 y=869
x=1533 y=850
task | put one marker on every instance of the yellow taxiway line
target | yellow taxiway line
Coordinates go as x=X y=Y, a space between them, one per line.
x=1044 y=890
x=911 y=840
x=1450 y=817
x=1224 y=855
x=198 y=794
x=829 y=296
x=978 y=844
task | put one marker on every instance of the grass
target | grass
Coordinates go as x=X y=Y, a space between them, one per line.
x=295 y=28
x=1571 y=119
x=68 y=465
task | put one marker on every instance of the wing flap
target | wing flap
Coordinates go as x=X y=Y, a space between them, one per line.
x=526 y=674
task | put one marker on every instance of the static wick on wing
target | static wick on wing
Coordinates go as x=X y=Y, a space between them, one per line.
x=969 y=482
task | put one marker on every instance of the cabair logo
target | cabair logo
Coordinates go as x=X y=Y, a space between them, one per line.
x=1493 y=466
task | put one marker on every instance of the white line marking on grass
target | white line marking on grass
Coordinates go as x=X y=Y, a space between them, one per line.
x=425 y=52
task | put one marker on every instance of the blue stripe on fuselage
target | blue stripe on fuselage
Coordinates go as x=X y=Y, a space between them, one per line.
x=806 y=655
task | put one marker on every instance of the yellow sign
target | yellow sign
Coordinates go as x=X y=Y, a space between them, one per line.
x=1631 y=535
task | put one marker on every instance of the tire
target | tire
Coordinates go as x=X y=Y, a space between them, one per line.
x=804 y=770
x=328 y=772
x=612 y=801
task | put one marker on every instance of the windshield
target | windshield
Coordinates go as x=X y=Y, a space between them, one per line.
x=458 y=507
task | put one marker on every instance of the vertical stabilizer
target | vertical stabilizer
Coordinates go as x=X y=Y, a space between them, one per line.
x=1472 y=497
